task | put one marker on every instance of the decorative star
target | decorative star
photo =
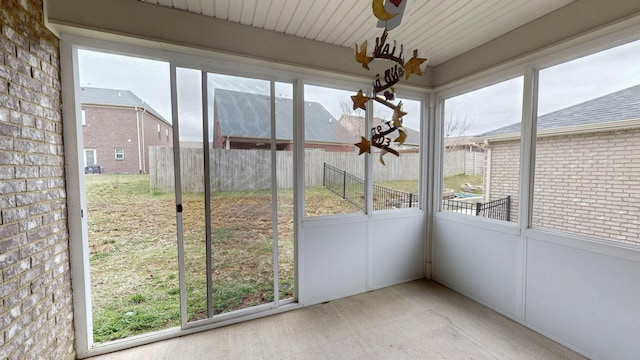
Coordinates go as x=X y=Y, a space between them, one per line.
x=359 y=101
x=397 y=115
x=413 y=65
x=364 y=145
x=402 y=136
x=361 y=55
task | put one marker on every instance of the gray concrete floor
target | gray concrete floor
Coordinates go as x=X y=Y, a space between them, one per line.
x=416 y=320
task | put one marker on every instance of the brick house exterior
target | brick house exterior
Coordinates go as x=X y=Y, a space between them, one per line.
x=118 y=128
x=502 y=179
x=586 y=171
x=600 y=190
x=36 y=312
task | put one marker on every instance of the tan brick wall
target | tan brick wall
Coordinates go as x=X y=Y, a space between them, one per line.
x=589 y=184
x=36 y=310
x=586 y=183
x=504 y=179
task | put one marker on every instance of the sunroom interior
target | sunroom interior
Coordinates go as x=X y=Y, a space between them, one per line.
x=565 y=262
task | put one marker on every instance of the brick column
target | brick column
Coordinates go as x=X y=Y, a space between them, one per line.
x=36 y=312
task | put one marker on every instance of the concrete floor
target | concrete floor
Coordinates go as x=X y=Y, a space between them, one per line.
x=416 y=320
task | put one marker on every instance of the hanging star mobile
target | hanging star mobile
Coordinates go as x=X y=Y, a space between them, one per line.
x=389 y=14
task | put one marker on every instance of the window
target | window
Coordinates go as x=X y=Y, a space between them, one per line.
x=90 y=157
x=167 y=134
x=84 y=117
x=159 y=132
x=334 y=173
x=119 y=152
x=587 y=162
x=396 y=178
x=481 y=155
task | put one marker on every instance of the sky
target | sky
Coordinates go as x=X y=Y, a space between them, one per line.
x=483 y=110
x=149 y=80
x=560 y=86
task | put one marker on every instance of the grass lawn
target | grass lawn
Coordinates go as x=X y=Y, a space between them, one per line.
x=133 y=251
x=456 y=182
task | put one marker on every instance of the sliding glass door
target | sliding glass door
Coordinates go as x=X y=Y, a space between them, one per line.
x=234 y=159
x=187 y=179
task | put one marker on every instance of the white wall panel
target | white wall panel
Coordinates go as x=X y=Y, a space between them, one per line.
x=587 y=300
x=332 y=260
x=477 y=261
x=396 y=251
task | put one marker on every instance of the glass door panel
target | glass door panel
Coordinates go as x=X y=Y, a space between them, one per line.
x=130 y=209
x=241 y=194
x=284 y=187
x=192 y=177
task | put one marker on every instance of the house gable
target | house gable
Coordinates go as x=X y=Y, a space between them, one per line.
x=242 y=115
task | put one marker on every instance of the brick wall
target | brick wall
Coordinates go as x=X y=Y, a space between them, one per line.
x=588 y=184
x=584 y=183
x=108 y=128
x=504 y=178
x=36 y=309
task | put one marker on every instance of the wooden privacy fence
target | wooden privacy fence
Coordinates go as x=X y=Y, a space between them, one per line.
x=246 y=170
x=463 y=162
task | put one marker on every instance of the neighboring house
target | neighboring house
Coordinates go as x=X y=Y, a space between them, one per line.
x=579 y=156
x=118 y=128
x=243 y=121
x=355 y=126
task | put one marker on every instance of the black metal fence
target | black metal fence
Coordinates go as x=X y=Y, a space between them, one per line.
x=351 y=188
x=498 y=209
x=347 y=186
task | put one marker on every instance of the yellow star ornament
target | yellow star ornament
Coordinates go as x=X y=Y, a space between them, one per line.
x=361 y=55
x=413 y=65
x=397 y=115
x=364 y=145
x=359 y=100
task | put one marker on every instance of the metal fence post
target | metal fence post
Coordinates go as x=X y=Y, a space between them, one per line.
x=509 y=208
x=344 y=184
x=478 y=208
x=324 y=175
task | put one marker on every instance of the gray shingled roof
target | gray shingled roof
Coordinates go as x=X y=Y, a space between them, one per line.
x=247 y=115
x=413 y=136
x=114 y=97
x=617 y=106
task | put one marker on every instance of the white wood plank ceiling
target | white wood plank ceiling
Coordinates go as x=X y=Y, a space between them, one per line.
x=440 y=30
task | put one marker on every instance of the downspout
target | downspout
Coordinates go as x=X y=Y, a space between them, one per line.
x=487 y=177
x=138 y=131
x=144 y=153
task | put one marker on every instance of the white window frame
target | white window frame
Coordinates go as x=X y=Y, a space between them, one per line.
x=95 y=156
x=115 y=150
